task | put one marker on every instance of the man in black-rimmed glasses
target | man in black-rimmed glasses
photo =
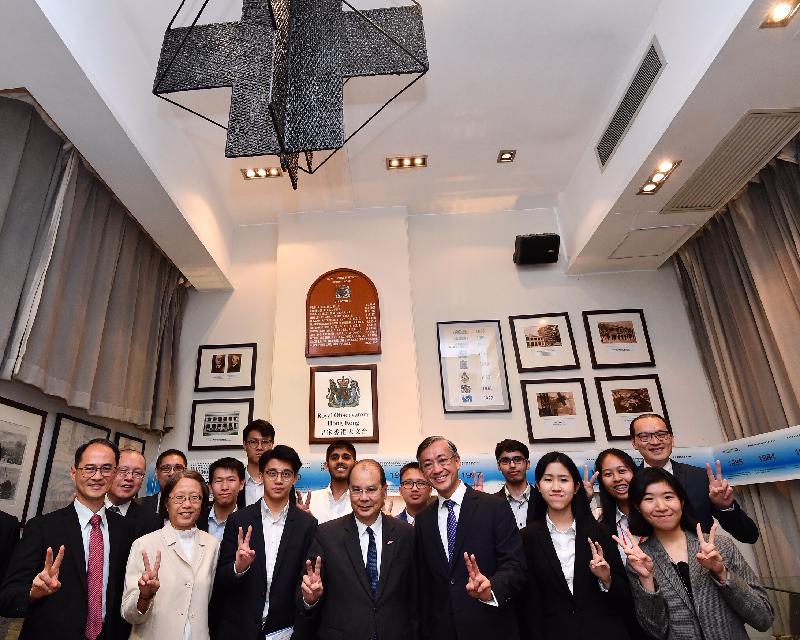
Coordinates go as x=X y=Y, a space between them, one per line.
x=168 y=463
x=125 y=486
x=415 y=491
x=513 y=461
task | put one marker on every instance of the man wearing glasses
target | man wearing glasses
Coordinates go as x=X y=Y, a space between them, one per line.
x=258 y=437
x=168 y=463
x=709 y=493
x=415 y=491
x=513 y=461
x=125 y=486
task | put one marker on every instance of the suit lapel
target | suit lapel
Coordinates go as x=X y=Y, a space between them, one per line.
x=286 y=539
x=582 y=559
x=116 y=526
x=428 y=521
x=549 y=551
x=74 y=543
x=468 y=508
x=662 y=560
x=388 y=549
x=353 y=548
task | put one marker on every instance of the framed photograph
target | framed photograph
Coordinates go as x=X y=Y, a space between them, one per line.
x=472 y=364
x=557 y=410
x=21 y=429
x=69 y=434
x=622 y=398
x=618 y=338
x=543 y=342
x=218 y=424
x=226 y=367
x=343 y=403
x=124 y=441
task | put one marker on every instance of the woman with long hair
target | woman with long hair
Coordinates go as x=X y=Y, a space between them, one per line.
x=616 y=469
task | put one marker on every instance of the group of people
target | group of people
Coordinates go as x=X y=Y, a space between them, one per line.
x=261 y=560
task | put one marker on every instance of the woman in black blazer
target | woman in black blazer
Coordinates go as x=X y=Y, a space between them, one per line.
x=578 y=588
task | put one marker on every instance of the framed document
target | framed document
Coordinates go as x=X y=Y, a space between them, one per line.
x=343 y=403
x=472 y=364
x=226 y=367
x=543 y=342
x=124 y=441
x=618 y=338
x=218 y=424
x=622 y=398
x=21 y=429
x=557 y=410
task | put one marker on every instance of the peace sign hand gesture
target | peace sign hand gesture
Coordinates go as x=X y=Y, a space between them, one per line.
x=638 y=560
x=598 y=565
x=305 y=506
x=709 y=556
x=312 y=582
x=244 y=554
x=149 y=583
x=719 y=491
x=588 y=482
x=478 y=585
x=46 y=581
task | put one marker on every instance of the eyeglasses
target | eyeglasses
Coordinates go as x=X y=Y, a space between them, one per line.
x=90 y=469
x=368 y=491
x=194 y=499
x=505 y=460
x=124 y=471
x=274 y=473
x=660 y=436
x=255 y=442
x=167 y=468
x=441 y=461
x=419 y=484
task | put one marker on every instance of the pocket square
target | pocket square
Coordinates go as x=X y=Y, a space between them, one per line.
x=389 y=542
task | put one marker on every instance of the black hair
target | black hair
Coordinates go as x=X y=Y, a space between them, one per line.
x=407 y=466
x=231 y=464
x=642 y=416
x=427 y=442
x=284 y=454
x=580 y=502
x=261 y=426
x=607 y=501
x=169 y=487
x=340 y=444
x=171 y=452
x=642 y=479
x=369 y=462
x=82 y=449
x=511 y=445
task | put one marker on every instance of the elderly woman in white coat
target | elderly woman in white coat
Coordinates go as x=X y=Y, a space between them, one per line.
x=171 y=571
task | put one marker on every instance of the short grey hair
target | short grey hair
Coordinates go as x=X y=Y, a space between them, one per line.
x=427 y=442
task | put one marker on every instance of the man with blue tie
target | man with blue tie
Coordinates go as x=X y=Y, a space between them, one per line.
x=359 y=581
x=469 y=555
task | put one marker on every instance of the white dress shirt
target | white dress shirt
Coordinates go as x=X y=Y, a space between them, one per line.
x=273 y=532
x=253 y=489
x=363 y=539
x=410 y=519
x=123 y=508
x=84 y=515
x=666 y=467
x=564 y=543
x=323 y=506
x=519 y=507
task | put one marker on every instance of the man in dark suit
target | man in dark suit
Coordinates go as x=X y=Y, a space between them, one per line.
x=9 y=536
x=261 y=556
x=66 y=576
x=469 y=555
x=513 y=461
x=125 y=486
x=360 y=581
x=710 y=494
x=168 y=463
x=415 y=491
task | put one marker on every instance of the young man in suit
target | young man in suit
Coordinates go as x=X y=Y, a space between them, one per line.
x=469 y=555
x=262 y=554
x=226 y=482
x=168 y=463
x=258 y=437
x=415 y=491
x=709 y=494
x=125 y=486
x=513 y=461
x=360 y=577
x=66 y=575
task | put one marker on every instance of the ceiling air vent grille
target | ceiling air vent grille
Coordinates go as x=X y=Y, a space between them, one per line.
x=631 y=102
x=749 y=146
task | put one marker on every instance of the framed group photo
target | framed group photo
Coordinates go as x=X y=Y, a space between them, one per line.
x=343 y=403
x=543 y=342
x=618 y=338
x=226 y=367
x=622 y=398
x=125 y=441
x=472 y=364
x=557 y=410
x=218 y=424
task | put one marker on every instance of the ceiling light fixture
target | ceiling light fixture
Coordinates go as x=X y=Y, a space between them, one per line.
x=261 y=172
x=658 y=177
x=780 y=14
x=506 y=155
x=407 y=162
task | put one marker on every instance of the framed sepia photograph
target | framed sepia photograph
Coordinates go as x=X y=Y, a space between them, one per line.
x=543 y=342
x=557 y=410
x=69 y=433
x=226 y=367
x=618 y=338
x=218 y=424
x=124 y=441
x=622 y=398
x=472 y=364
x=343 y=403
x=21 y=429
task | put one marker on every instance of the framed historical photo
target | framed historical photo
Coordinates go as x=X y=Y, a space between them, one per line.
x=125 y=441
x=618 y=338
x=472 y=364
x=218 y=424
x=226 y=367
x=543 y=342
x=557 y=410
x=69 y=433
x=21 y=429
x=343 y=403
x=622 y=398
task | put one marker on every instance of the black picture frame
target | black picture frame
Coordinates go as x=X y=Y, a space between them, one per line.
x=313 y=408
x=225 y=380
x=535 y=421
x=234 y=441
x=119 y=435
x=601 y=360
x=660 y=408
x=575 y=364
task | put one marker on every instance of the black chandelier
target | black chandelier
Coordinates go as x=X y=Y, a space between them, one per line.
x=286 y=62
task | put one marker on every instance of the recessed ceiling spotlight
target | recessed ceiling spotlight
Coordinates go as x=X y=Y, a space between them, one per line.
x=658 y=177
x=407 y=162
x=780 y=14
x=261 y=172
x=250 y=173
x=506 y=155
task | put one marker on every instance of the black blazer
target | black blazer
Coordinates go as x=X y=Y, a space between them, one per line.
x=553 y=612
x=64 y=612
x=141 y=520
x=9 y=536
x=238 y=603
x=150 y=502
x=487 y=529
x=502 y=495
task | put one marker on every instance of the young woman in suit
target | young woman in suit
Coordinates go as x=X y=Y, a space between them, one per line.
x=577 y=584
x=686 y=586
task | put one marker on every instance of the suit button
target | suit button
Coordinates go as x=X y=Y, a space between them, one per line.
x=452 y=582
x=375 y=609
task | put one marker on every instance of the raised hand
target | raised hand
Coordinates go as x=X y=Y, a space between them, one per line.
x=312 y=582
x=588 y=482
x=478 y=585
x=709 y=556
x=719 y=491
x=148 y=582
x=244 y=554
x=46 y=581
x=388 y=506
x=598 y=565
x=638 y=560
x=305 y=506
x=477 y=481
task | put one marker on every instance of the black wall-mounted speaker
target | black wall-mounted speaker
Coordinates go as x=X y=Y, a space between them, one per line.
x=537 y=248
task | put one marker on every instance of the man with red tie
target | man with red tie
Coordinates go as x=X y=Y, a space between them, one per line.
x=66 y=575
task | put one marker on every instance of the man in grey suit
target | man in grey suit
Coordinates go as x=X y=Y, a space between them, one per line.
x=359 y=581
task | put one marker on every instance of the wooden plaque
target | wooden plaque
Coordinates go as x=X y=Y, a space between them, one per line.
x=343 y=316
